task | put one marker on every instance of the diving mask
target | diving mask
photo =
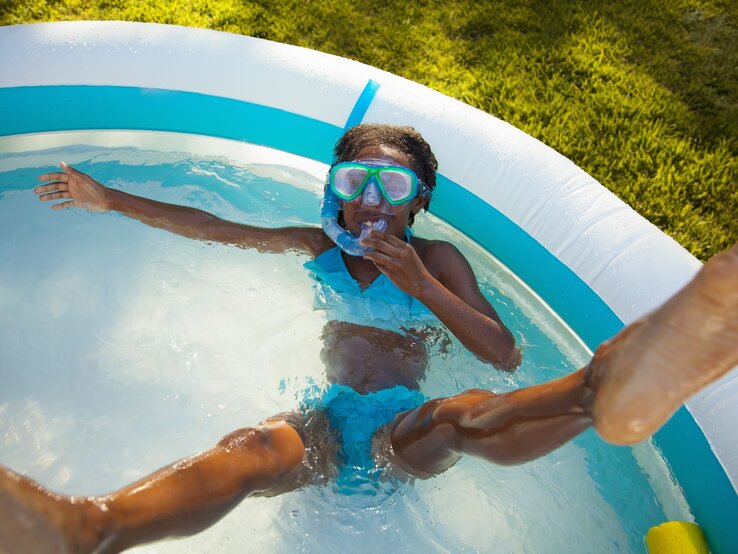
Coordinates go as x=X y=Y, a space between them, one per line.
x=377 y=183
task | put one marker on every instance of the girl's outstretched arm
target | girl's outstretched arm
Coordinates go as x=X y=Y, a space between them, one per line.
x=79 y=190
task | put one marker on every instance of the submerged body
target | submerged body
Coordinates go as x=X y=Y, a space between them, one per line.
x=374 y=336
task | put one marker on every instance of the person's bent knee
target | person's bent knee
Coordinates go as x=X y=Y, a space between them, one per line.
x=274 y=437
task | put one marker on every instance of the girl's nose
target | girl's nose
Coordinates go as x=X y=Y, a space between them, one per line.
x=371 y=196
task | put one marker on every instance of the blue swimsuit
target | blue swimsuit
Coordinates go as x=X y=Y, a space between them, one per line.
x=353 y=415
x=356 y=417
x=381 y=304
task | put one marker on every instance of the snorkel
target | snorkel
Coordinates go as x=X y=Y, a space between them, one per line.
x=345 y=240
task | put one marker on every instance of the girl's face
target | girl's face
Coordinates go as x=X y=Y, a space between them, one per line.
x=357 y=212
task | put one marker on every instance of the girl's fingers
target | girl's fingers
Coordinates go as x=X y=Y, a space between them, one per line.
x=386 y=237
x=69 y=169
x=377 y=254
x=63 y=205
x=383 y=245
x=56 y=176
x=54 y=196
x=382 y=261
x=52 y=187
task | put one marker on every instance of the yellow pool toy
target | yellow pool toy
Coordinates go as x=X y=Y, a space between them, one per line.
x=676 y=537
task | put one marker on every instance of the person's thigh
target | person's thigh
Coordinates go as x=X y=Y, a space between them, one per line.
x=321 y=447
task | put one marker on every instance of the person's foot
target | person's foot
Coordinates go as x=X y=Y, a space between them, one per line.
x=648 y=370
x=33 y=519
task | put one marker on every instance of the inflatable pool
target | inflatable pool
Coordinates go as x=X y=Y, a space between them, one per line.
x=594 y=261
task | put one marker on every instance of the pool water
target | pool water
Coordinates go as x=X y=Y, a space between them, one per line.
x=123 y=348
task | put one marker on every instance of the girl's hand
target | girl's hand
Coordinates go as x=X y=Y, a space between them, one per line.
x=397 y=260
x=81 y=190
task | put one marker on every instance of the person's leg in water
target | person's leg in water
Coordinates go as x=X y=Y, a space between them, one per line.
x=685 y=344
x=631 y=387
x=181 y=499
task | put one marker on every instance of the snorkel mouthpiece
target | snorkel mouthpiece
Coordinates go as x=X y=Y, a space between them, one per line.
x=347 y=242
x=366 y=228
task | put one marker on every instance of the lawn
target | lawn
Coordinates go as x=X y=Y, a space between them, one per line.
x=642 y=95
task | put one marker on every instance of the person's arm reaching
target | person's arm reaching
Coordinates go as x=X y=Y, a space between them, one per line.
x=79 y=190
x=452 y=294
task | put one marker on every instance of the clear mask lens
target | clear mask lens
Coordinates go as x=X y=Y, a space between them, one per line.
x=347 y=181
x=398 y=185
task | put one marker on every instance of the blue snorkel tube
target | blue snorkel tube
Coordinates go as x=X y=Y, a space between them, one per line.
x=347 y=242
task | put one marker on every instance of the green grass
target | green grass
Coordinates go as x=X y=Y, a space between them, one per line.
x=642 y=95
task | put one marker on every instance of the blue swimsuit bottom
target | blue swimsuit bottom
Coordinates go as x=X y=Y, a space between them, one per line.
x=356 y=417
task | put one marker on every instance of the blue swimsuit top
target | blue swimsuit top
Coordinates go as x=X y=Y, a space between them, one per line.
x=381 y=304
